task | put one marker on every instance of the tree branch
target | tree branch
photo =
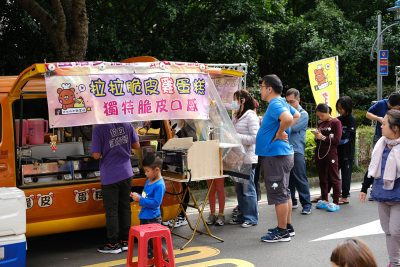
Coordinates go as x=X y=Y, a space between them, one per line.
x=79 y=30
x=60 y=16
x=67 y=6
x=38 y=13
x=50 y=25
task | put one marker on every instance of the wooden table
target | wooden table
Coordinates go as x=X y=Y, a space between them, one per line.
x=196 y=204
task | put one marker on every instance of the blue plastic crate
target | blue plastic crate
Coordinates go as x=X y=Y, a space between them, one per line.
x=13 y=251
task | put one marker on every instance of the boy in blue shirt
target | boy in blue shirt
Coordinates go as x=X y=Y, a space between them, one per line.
x=152 y=195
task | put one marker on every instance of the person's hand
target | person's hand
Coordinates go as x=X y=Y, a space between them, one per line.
x=319 y=135
x=362 y=196
x=281 y=136
x=380 y=119
x=135 y=196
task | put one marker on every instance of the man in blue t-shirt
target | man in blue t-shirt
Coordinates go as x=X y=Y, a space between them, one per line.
x=276 y=155
x=377 y=111
x=112 y=143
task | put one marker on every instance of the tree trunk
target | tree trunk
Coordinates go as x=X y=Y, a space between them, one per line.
x=66 y=26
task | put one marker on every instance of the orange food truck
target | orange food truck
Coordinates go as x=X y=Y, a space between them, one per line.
x=60 y=179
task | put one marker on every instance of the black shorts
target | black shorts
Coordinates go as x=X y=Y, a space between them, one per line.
x=276 y=172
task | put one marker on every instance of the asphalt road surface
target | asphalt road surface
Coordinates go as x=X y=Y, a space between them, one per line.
x=316 y=236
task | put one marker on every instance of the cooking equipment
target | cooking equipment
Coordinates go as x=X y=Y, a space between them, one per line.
x=52 y=159
x=29 y=160
x=64 y=166
x=199 y=160
x=84 y=166
x=175 y=161
x=39 y=168
x=37 y=129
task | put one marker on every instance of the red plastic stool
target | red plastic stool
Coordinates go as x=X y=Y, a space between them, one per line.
x=144 y=233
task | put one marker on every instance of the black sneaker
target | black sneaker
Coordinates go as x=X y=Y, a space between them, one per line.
x=235 y=221
x=289 y=228
x=235 y=211
x=124 y=245
x=306 y=210
x=110 y=248
x=276 y=236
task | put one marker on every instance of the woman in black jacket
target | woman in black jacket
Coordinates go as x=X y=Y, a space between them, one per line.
x=346 y=147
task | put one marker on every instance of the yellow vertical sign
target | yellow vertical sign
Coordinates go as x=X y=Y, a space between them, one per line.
x=324 y=81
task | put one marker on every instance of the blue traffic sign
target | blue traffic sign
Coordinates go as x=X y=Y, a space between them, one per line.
x=383 y=62
x=383 y=54
x=384 y=70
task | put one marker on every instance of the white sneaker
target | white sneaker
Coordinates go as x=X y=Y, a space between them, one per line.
x=166 y=223
x=180 y=221
x=220 y=221
x=210 y=219
x=248 y=224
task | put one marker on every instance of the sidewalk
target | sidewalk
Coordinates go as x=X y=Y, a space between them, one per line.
x=230 y=194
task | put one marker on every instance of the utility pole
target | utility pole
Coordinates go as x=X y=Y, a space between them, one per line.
x=378 y=48
x=379 y=43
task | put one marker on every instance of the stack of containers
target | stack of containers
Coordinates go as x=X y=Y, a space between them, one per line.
x=12 y=227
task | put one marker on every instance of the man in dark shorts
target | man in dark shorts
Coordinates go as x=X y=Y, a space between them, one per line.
x=276 y=156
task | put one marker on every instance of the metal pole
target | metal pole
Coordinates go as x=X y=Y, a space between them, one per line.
x=378 y=48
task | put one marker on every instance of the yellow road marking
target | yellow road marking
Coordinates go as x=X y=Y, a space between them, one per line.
x=236 y=262
x=200 y=253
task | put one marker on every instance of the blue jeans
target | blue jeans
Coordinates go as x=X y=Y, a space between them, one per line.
x=298 y=180
x=247 y=199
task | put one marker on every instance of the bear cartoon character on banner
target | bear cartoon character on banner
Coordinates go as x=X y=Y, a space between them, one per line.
x=70 y=99
x=321 y=77
x=66 y=95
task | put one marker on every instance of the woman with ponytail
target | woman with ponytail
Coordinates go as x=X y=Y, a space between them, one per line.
x=328 y=135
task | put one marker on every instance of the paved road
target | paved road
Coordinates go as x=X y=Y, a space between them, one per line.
x=241 y=247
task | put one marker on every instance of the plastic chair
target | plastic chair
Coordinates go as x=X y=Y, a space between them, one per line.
x=143 y=233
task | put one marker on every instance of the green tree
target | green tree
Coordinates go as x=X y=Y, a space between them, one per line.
x=202 y=31
x=21 y=40
x=65 y=23
x=279 y=36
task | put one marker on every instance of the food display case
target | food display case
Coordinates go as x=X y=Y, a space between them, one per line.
x=71 y=161
x=68 y=163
